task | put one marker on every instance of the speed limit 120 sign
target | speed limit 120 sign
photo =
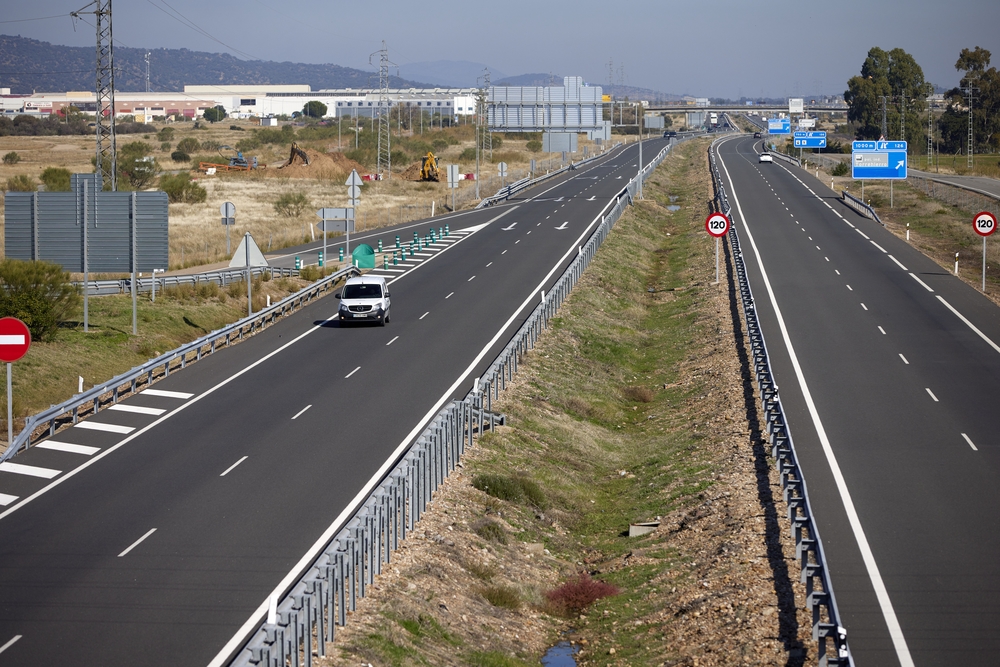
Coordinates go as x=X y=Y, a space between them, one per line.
x=984 y=223
x=717 y=224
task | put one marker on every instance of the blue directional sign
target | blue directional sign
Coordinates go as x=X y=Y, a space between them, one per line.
x=779 y=126
x=878 y=160
x=809 y=139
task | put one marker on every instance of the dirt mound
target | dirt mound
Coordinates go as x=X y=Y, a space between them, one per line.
x=326 y=166
x=412 y=173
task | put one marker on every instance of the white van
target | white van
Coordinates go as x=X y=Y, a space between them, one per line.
x=364 y=299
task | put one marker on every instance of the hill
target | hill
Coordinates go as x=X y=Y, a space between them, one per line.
x=29 y=65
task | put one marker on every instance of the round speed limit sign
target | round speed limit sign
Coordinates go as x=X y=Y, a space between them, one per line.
x=717 y=224
x=984 y=223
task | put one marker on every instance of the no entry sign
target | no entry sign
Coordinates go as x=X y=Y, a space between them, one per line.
x=15 y=339
x=984 y=223
x=717 y=224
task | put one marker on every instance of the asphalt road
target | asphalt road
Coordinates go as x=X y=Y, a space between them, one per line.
x=889 y=369
x=152 y=538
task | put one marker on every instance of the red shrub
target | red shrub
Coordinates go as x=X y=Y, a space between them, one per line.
x=579 y=593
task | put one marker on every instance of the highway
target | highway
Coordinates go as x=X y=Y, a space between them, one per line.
x=888 y=369
x=150 y=533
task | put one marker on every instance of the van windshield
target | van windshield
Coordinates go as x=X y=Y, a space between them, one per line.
x=363 y=291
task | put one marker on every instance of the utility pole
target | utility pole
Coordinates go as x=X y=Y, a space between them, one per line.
x=482 y=124
x=969 y=92
x=885 y=127
x=107 y=162
x=147 y=71
x=384 y=104
x=930 y=135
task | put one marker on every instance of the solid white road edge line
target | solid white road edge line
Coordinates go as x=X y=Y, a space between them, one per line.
x=968 y=323
x=888 y=613
x=222 y=658
x=230 y=468
x=137 y=542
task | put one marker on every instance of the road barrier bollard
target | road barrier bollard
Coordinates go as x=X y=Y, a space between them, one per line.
x=395 y=255
x=319 y=263
x=380 y=245
x=341 y=254
x=447 y=230
x=298 y=262
x=385 y=261
x=397 y=240
x=440 y=232
x=416 y=237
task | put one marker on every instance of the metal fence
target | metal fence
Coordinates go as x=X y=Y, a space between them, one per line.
x=221 y=277
x=306 y=616
x=967 y=199
x=860 y=206
x=814 y=573
x=90 y=402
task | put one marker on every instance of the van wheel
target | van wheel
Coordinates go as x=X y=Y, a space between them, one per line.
x=387 y=316
x=382 y=320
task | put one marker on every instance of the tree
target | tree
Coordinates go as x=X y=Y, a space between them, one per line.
x=314 y=109
x=215 y=114
x=56 y=179
x=985 y=84
x=892 y=78
x=136 y=167
x=39 y=294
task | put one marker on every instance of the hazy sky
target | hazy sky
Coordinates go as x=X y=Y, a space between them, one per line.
x=721 y=48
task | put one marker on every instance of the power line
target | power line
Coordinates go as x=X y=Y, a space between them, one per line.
x=40 y=18
x=183 y=20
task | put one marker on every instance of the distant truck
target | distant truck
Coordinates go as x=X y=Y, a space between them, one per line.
x=713 y=118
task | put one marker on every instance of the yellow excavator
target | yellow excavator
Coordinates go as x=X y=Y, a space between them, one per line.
x=296 y=152
x=429 y=168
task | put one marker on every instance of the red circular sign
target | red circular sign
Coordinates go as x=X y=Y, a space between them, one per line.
x=717 y=224
x=984 y=223
x=15 y=339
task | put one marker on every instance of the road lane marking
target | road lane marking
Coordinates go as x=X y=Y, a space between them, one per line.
x=392 y=341
x=837 y=271
x=449 y=295
x=167 y=394
x=926 y=286
x=7 y=499
x=867 y=555
x=877 y=246
x=898 y=263
x=850 y=288
x=504 y=252
x=108 y=428
x=932 y=394
x=470 y=279
x=299 y=413
x=55 y=445
x=424 y=315
x=827 y=258
x=230 y=468
x=969 y=440
x=817 y=247
x=352 y=372
x=137 y=542
x=10 y=643
x=968 y=323
x=904 y=359
x=31 y=471
x=517 y=241
x=135 y=409
x=489 y=265
x=882 y=330
x=862 y=233
x=864 y=306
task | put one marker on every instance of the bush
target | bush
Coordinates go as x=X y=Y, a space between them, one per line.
x=496 y=141
x=236 y=128
x=579 y=593
x=439 y=145
x=841 y=169
x=513 y=489
x=165 y=146
x=166 y=134
x=11 y=158
x=56 y=179
x=534 y=146
x=180 y=156
x=468 y=155
x=247 y=144
x=181 y=189
x=21 y=183
x=210 y=145
x=492 y=532
x=639 y=394
x=39 y=294
x=291 y=204
x=501 y=596
x=215 y=114
x=188 y=145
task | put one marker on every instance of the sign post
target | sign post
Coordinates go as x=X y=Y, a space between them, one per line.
x=228 y=211
x=502 y=169
x=453 y=182
x=717 y=225
x=248 y=255
x=15 y=339
x=984 y=224
x=353 y=184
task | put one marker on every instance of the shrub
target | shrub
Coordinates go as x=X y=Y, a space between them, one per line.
x=534 y=146
x=291 y=204
x=165 y=146
x=210 y=145
x=491 y=531
x=39 y=294
x=236 y=128
x=188 y=145
x=215 y=114
x=56 y=179
x=247 y=144
x=496 y=141
x=513 y=489
x=639 y=394
x=180 y=156
x=841 y=169
x=181 y=189
x=501 y=596
x=579 y=593
x=468 y=155
x=439 y=145
x=166 y=134
x=11 y=158
x=21 y=183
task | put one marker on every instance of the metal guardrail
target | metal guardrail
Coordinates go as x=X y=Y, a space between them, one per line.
x=90 y=402
x=861 y=207
x=220 y=277
x=956 y=194
x=307 y=615
x=787 y=158
x=814 y=573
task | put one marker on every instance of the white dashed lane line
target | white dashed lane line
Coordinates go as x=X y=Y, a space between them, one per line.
x=925 y=285
x=449 y=295
x=882 y=330
x=30 y=471
x=969 y=440
x=424 y=315
x=864 y=306
x=299 y=413
x=352 y=372
x=931 y=394
x=167 y=394
x=230 y=468
x=57 y=446
x=14 y=639
x=904 y=359
x=108 y=428
x=137 y=542
x=135 y=409
x=392 y=341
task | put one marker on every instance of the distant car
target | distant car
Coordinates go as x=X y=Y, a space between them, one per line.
x=668 y=134
x=765 y=157
x=756 y=135
x=364 y=299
